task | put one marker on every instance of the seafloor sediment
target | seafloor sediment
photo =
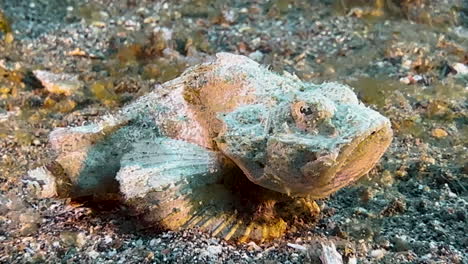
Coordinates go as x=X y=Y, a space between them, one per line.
x=408 y=63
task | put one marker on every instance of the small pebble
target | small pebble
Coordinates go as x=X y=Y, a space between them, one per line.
x=401 y=243
x=439 y=133
x=65 y=84
x=93 y=254
x=460 y=68
x=215 y=250
x=254 y=246
x=256 y=56
x=297 y=246
x=377 y=253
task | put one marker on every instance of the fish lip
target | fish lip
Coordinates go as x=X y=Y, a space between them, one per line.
x=349 y=162
x=332 y=178
x=287 y=177
x=353 y=161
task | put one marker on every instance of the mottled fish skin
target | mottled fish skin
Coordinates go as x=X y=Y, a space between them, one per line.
x=286 y=135
x=225 y=147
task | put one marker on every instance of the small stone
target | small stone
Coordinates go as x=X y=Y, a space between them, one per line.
x=65 y=84
x=80 y=240
x=98 y=24
x=36 y=142
x=297 y=246
x=377 y=253
x=461 y=31
x=68 y=238
x=151 y=19
x=447 y=192
x=107 y=239
x=42 y=182
x=154 y=242
x=428 y=160
x=406 y=64
x=104 y=15
x=401 y=243
x=104 y=91
x=383 y=242
x=356 y=11
x=77 y=52
x=362 y=211
x=112 y=253
x=397 y=206
x=452 y=195
x=9 y=38
x=256 y=56
x=254 y=246
x=139 y=243
x=405 y=80
x=93 y=254
x=439 y=133
x=214 y=250
x=461 y=68
x=329 y=254
x=418 y=78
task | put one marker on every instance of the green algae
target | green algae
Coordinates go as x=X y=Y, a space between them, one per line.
x=5 y=26
x=420 y=108
x=374 y=91
x=104 y=92
x=91 y=12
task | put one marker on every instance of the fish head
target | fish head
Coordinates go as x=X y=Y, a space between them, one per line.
x=309 y=143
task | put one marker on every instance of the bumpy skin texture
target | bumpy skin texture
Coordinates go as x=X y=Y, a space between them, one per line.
x=170 y=152
x=289 y=136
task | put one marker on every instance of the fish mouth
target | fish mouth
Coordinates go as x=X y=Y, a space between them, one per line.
x=354 y=160
x=317 y=174
x=312 y=164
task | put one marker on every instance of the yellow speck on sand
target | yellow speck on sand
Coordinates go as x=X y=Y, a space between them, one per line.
x=9 y=38
x=439 y=133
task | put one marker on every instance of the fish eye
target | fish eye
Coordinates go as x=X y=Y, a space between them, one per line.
x=311 y=116
x=305 y=110
x=302 y=110
x=302 y=114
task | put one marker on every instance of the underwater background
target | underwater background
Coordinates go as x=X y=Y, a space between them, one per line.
x=407 y=59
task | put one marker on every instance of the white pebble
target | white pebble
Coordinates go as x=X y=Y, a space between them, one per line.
x=377 y=253
x=461 y=68
x=93 y=254
x=297 y=246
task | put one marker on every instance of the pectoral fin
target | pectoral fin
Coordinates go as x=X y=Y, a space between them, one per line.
x=164 y=163
x=159 y=178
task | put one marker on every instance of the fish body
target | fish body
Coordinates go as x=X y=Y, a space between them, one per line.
x=193 y=142
x=285 y=135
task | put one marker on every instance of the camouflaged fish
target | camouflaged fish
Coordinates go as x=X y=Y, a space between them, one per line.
x=182 y=154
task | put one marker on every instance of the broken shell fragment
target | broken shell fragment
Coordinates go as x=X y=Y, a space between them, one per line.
x=65 y=84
